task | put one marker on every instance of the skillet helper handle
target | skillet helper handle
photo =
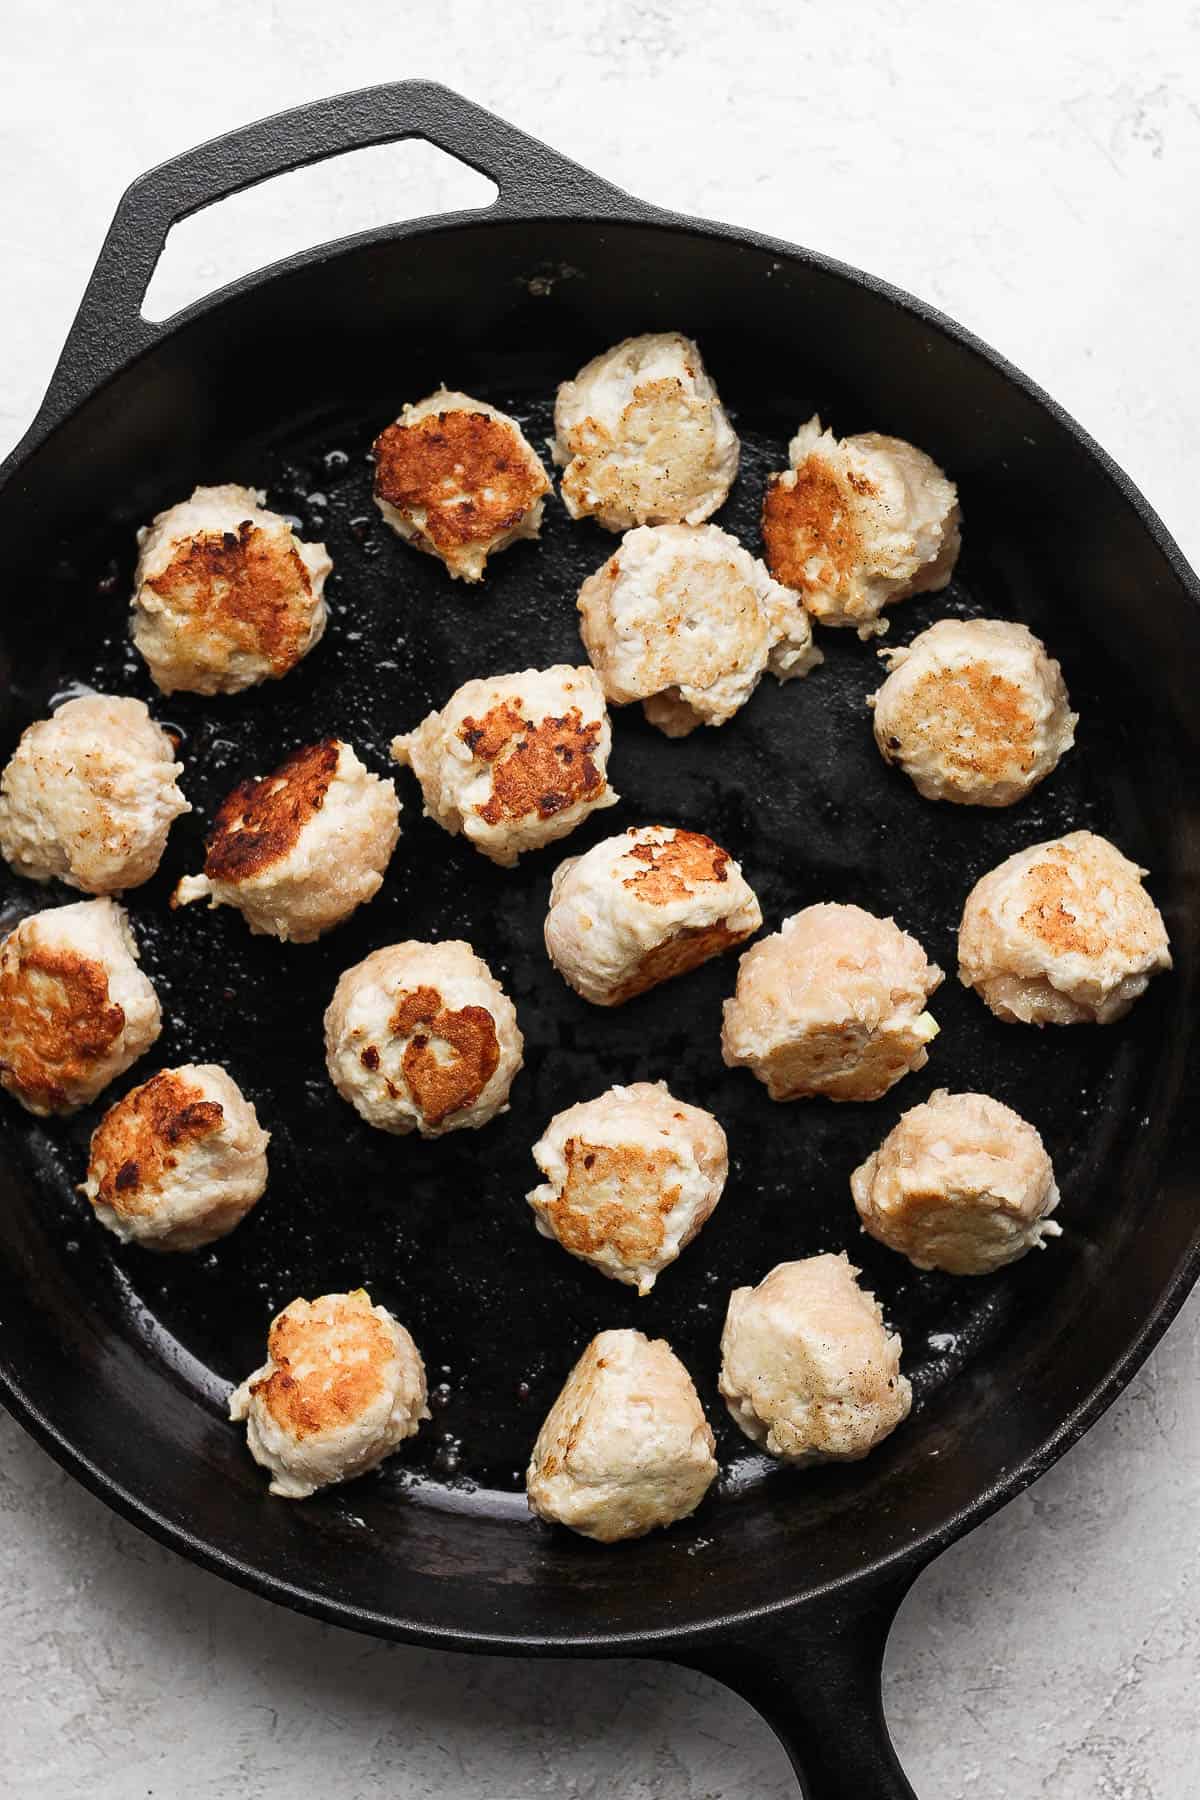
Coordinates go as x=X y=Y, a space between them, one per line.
x=109 y=330
x=817 y=1681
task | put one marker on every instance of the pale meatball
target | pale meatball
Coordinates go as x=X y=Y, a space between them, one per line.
x=422 y=1037
x=179 y=1161
x=859 y=523
x=75 y=1009
x=297 y=851
x=514 y=762
x=643 y=907
x=626 y=1447
x=809 y=1370
x=683 y=619
x=1063 y=933
x=225 y=594
x=974 y=711
x=460 y=480
x=342 y=1387
x=90 y=795
x=630 y=1179
x=642 y=438
x=832 y=1003
x=962 y=1183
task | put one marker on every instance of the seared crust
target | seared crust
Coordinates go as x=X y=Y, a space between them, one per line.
x=440 y=1087
x=309 y=1391
x=134 y=1147
x=674 y=867
x=685 y=951
x=464 y=471
x=244 y=586
x=542 y=768
x=632 y=1224
x=809 y=514
x=261 y=820
x=1048 y=888
x=57 y=1020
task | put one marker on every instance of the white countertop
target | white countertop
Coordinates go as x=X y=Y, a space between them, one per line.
x=1033 y=170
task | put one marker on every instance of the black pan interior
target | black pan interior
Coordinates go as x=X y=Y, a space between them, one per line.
x=128 y=1357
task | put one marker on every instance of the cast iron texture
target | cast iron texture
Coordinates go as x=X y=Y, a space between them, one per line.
x=120 y=1362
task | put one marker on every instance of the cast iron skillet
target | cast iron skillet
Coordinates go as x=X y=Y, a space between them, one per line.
x=783 y=1584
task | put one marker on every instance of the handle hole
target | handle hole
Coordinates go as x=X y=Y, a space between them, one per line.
x=357 y=191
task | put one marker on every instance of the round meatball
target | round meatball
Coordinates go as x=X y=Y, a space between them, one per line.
x=459 y=479
x=683 y=619
x=974 y=711
x=225 y=594
x=75 y=1009
x=833 y=1003
x=643 y=907
x=625 y=1447
x=179 y=1161
x=422 y=1037
x=1062 y=933
x=630 y=1179
x=809 y=1370
x=297 y=851
x=642 y=438
x=857 y=524
x=514 y=762
x=342 y=1387
x=90 y=795
x=962 y=1183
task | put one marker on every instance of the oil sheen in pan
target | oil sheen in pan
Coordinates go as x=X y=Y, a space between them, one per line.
x=440 y=1232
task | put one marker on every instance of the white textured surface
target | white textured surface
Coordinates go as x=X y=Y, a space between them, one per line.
x=1032 y=168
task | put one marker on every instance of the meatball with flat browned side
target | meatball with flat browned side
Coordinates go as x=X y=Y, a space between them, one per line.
x=342 y=1387
x=858 y=523
x=630 y=1178
x=642 y=438
x=297 y=851
x=225 y=595
x=514 y=762
x=460 y=480
x=89 y=796
x=75 y=1009
x=1062 y=933
x=422 y=1037
x=179 y=1161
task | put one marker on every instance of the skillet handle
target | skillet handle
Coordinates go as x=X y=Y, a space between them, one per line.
x=109 y=330
x=817 y=1681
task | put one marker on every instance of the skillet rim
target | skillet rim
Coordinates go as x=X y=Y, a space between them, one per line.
x=613 y=208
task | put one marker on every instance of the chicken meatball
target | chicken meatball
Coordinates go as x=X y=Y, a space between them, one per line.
x=422 y=1037
x=90 y=795
x=809 y=1370
x=630 y=1179
x=642 y=438
x=297 y=851
x=1062 y=933
x=857 y=524
x=75 y=1009
x=459 y=479
x=179 y=1161
x=225 y=594
x=962 y=1183
x=683 y=619
x=833 y=1003
x=625 y=1447
x=974 y=711
x=342 y=1387
x=643 y=907
x=514 y=762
